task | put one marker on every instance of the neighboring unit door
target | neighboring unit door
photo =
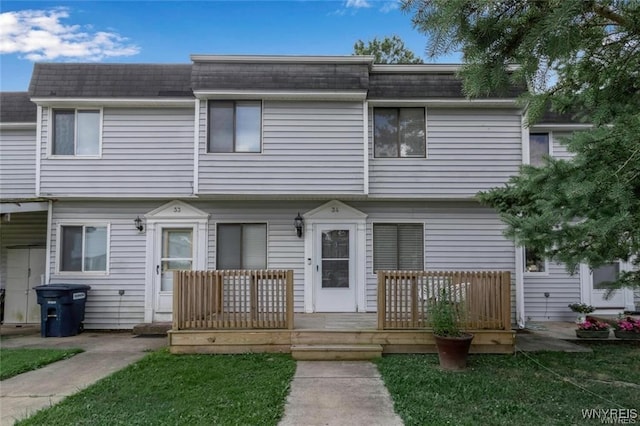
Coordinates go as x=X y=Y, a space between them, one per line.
x=603 y=274
x=176 y=250
x=25 y=270
x=334 y=283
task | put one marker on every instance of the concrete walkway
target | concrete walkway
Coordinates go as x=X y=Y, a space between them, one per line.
x=105 y=353
x=338 y=393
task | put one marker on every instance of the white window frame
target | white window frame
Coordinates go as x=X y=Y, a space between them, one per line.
x=373 y=133
x=84 y=224
x=399 y=222
x=239 y=222
x=51 y=132
x=235 y=101
x=531 y=273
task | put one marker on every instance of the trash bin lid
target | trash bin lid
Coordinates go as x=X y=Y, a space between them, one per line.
x=63 y=287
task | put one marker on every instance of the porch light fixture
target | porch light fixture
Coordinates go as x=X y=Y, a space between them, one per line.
x=138 y=223
x=298 y=223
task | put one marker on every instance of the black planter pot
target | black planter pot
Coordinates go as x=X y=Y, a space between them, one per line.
x=592 y=334
x=453 y=351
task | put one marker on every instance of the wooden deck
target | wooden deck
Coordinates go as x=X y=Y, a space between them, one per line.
x=329 y=336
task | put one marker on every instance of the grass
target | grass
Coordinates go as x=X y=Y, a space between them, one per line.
x=523 y=389
x=17 y=361
x=165 y=389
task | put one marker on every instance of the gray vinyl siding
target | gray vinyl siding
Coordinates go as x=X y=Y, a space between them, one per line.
x=563 y=289
x=467 y=151
x=307 y=148
x=17 y=163
x=22 y=229
x=457 y=236
x=145 y=152
x=560 y=150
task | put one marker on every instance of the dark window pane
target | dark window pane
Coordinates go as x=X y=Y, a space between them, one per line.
x=63 y=132
x=229 y=247
x=385 y=247
x=335 y=273
x=410 y=247
x=604 y=274
x=385 y=132
x=71 y=248
x=412 y=132
x=335 y=244
x=398 y=247
x=538 y=148
x=221 y=125
x=534 y=262
x=248 y=126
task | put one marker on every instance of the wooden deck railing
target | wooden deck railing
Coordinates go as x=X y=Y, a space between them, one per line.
x=483 y=297
x=238 y=299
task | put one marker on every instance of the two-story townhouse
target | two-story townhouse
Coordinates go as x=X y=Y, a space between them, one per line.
x=153 y=168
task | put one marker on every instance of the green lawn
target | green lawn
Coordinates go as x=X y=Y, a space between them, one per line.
x=165 y=389
x=16 y=361
x=532 y=389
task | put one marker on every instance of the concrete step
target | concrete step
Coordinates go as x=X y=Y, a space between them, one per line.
x=152 y=329
x=335 y=352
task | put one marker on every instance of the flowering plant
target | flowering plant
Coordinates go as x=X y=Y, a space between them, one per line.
x=593 y=324
x=582 y=308
x=628 y=324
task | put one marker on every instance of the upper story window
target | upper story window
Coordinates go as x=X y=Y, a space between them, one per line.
x=83 y=248
x=399 y=132
x=534 y=262
x=235 y=126
x=76 y=132
x=538 y=148
x=241 y=246
x=398 y=247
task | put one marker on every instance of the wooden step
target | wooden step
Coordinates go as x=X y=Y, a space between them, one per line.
x=335 y=352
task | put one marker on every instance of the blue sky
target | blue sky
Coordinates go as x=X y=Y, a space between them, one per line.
x=169 y=31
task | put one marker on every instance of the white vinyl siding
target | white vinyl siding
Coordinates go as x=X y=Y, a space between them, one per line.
x=145 y=152
x=307 y=148
x=17 y=163
x=563 y=289
x=560 y=150
x=467 y=151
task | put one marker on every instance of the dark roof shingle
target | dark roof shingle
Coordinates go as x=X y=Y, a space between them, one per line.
x=110 y=80
x=15 y=107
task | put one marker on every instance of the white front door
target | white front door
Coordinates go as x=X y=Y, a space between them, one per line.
x=176 y=249
x=601 y=275
x=334 y=260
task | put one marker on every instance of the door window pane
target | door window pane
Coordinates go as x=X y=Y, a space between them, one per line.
x=335 y=244
x=248 y=127
x=605 y=273
x=179 y=243
x=63 y=132
x=538 y=148
x=88 y=133
x=335 y=273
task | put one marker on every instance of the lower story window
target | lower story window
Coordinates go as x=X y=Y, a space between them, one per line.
x=242 y=246
x=398 y=247
x=534 y=262
x=83 y=248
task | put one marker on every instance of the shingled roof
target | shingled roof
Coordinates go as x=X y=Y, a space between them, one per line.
x=419 y=84
x=110 y=80
x=279 y=76
x=15 y=107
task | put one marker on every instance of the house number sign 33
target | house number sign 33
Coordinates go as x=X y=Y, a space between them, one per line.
x=177 y=210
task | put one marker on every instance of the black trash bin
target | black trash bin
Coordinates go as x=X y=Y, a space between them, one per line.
x=61 y=308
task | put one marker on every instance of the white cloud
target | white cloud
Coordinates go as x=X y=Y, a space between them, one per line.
x=389 y=6
x=357 y=4
x=40 y=35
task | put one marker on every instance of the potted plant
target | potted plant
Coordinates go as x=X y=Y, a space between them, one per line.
x=591 y=328
x=627 y=328
x=452 y=342
x=582 y=309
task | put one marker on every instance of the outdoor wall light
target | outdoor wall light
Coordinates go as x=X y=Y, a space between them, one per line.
x=138 y=223
x=298 y=223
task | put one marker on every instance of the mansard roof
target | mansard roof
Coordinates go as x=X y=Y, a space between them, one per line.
x=15 y=107
x=60 y=80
